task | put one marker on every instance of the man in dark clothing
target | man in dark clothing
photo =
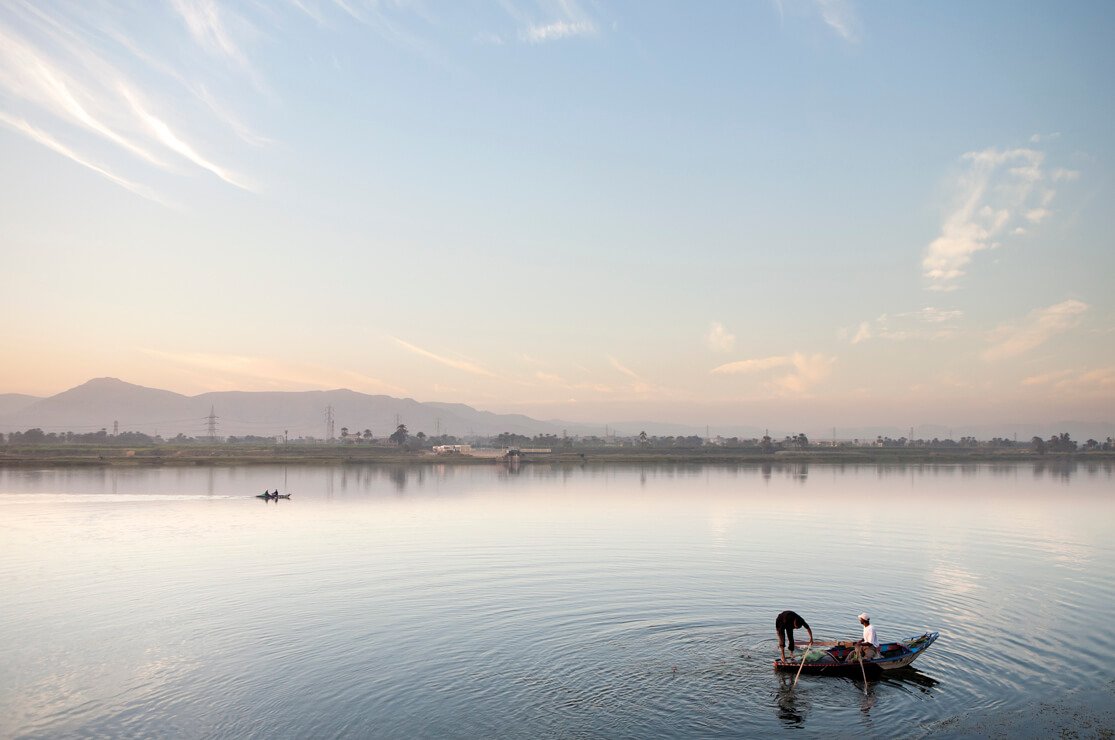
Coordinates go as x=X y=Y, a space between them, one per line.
x=784 y=625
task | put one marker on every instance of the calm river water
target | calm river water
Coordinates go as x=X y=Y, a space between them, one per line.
x=553 y=601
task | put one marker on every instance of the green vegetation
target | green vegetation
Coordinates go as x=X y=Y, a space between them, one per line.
x=36 y=448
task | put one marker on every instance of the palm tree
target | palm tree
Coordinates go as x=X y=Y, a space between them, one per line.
x=399 y=436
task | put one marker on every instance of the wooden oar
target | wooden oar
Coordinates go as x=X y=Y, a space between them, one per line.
x=859 y=654
x=802 y=664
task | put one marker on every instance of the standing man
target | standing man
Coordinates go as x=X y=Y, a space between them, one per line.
x=785 y=624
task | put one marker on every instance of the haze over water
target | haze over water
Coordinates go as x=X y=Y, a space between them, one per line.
x=476 y=601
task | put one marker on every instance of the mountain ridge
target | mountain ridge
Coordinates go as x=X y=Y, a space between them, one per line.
x=99 y=402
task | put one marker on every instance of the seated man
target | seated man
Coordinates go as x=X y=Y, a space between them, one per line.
x=785 y=624
x=868 y=648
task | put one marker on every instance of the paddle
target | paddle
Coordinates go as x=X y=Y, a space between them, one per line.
x=859 y=654
x=802 y=664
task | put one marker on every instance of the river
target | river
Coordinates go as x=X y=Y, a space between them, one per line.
x=475 y=601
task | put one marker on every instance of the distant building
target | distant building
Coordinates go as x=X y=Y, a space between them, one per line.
x=452 y=449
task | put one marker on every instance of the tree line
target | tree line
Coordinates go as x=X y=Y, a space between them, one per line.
x=402 y=438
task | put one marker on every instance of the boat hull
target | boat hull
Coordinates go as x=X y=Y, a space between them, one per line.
x=839 y=662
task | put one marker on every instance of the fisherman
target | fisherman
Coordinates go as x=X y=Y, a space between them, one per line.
x=869 y=646
x=785 y=624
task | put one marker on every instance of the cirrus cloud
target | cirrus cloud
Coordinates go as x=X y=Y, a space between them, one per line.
x=1036 y=329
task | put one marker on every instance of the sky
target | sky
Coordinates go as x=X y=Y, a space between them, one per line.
x=786 y=212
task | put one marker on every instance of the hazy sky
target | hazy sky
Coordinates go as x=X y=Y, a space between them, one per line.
x=815 y=211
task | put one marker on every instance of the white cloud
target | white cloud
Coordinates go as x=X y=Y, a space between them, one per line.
x=1037 y=215
x=932 y=315
x=556 y=30
x=720 y=339
x=810 y=370
x=545 y=21
x=750 y=366
x=840 y=17
x=997 y=187
x=926 y=323
x=807 y=370
x=1041 y=325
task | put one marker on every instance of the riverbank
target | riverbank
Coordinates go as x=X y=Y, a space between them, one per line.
x=234 y=454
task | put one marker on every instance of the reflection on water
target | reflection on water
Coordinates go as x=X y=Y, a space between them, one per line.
x=538 y=600
x=792 y=704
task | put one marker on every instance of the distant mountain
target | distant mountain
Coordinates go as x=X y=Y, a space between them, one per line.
x=100 y=402
x=10 y=403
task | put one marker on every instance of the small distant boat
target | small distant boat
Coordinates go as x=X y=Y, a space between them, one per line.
x=840 y=660
x=268 y=496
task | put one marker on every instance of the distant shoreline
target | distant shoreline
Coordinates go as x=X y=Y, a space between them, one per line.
x=224 y=454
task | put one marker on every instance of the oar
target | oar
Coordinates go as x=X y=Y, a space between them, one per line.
x=859 y=654
x=801 y=665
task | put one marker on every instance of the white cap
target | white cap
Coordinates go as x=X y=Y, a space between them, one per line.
x=864 y=617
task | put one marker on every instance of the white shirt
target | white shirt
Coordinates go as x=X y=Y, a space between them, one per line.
x=869 y=635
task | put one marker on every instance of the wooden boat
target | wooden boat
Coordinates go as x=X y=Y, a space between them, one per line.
x=840 y=660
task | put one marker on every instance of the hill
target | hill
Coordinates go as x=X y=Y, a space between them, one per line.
x=100 y=402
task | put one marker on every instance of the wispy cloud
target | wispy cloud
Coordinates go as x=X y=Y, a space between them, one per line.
x=996 y=188
x=841 y=17
x=61 y=76
x=740 y=367
x=548 y=20
x=927 y=323
x=1047 y=378
x=246 y=372
x=720 y=339
x=806 y=370
x=1098 y=380
x=18 y=124
x=27 y=72
x=1037 y=328
x=639 y=384
x=388 y=20
x=207 y=23
x=161 y=131
x=458 y=364
x=556 y=30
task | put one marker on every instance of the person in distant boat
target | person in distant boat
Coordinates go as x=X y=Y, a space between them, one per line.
x=869 y=645
x=785 y=624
